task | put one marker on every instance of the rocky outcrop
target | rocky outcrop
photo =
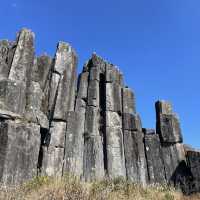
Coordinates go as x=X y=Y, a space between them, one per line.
x=53 y=122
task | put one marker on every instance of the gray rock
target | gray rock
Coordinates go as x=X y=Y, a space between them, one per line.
x=41 y=70
x=113 y=97
x=113 y=75
x=4 y=114
x=12 y=96
x=93 y=160
x=155 y=165
x=34 y=105
x=128 y=101
x=167 y=123
x=65 y=58
x=149 y=131
x=168 y=127
x=5 y=47
x=163 y=107
x=114 y=145
x=173 y=155
x=54 y=83
x=96 y=62
x=132 y=122
x=93 y=93
x=20 y=143
x=113 y=119
x=52 y=163
x=115 y=152
x=57 y=132
x=91 y=121
x=135 y=160
x=23 y=58
x=74 y=146
x=193 y=158
x=83 y=85
x=65 y=98
x=94 y=74
x=80 y=105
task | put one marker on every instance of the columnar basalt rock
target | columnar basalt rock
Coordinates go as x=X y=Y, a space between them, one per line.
x=59 y=80
x=20 y=143
x=169 y=131
x=52 y=123
x=155 y=165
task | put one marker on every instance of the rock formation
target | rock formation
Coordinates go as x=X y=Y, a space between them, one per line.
x=52 y=123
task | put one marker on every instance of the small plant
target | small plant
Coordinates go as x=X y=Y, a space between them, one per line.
x=72 y=188
x=36 y=183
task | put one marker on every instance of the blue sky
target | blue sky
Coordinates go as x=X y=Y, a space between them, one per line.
x=156 y=43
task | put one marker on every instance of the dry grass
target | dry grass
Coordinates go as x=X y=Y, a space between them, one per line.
x=70 y=188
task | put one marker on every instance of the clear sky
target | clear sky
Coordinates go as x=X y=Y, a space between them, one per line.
x=156 y=43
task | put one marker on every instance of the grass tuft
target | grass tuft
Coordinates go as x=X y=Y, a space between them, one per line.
x=71 y=188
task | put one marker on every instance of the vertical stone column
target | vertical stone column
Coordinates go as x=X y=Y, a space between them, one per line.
x=135 y=160
x=155 y=166
x=193 y=176
x=114 y=134
x=93 y=160
x=23 y=57
x=74 y=146
x=168 y=128
x=61 y=101
x=6 y=55
x=20 y=138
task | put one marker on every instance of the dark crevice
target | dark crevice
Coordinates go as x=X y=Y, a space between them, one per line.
x=122 y=117
x=102 y=123
x=45 y=139
x=64 y=155
x=52 y=109
x=145 y=153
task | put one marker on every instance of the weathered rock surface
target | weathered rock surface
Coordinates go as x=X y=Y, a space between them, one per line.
x=52 y=123
x=23 y=59
x=156 y=169
x=12 y=96
x=19 y=149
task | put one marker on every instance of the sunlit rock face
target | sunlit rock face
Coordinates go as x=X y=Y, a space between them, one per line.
x=53 y=122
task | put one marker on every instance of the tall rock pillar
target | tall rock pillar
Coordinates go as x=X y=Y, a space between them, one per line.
x=135 y=160
x=62 y=88
x=168 y=128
